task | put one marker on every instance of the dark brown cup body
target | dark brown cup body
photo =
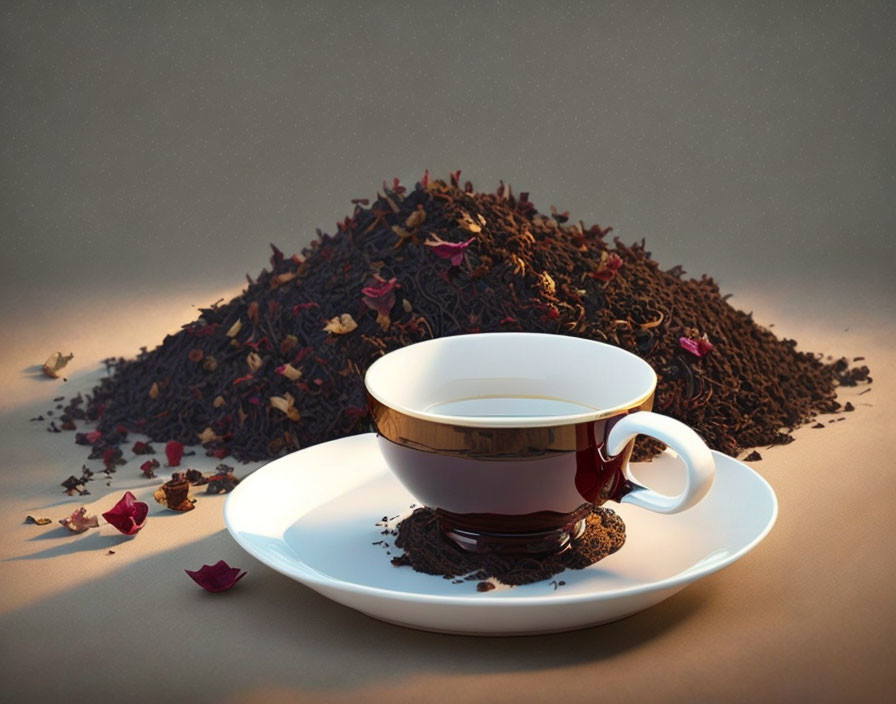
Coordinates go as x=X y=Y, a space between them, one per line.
x=505 y=490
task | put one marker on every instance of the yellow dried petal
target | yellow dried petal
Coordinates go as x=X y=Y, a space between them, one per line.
x=154 y=390
x=208 y=435
x=416 y=218
x=290 y=372
x=235 y=328
x=254 y=361
x=218 y=402
x=341 y=324
x=55 y=362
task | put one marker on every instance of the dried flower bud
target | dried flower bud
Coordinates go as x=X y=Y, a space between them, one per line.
x=218 y=402
x=174 y=451
x=175 y=494
x=210 y=364
x=195 y=355
x=154 y=391
x=548 y=283
x=235 y=328
x=341 y=324
x=79 y=521
x=55 y=362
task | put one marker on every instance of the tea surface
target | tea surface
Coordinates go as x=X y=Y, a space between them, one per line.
x=509 y=407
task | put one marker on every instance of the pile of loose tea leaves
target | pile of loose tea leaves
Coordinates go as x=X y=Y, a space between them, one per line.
x=280 y=367
x=427 y=551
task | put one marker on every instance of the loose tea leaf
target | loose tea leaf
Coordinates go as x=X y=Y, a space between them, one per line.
x=290 y=352
x=426 y=550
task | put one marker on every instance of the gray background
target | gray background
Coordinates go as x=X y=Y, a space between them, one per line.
x=163 y=145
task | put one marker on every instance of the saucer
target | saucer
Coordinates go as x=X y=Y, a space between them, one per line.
x=313 y=516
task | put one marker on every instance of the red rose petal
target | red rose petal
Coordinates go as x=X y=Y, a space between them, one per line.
x=174 y=450
x=128 y=515
x=216 y=578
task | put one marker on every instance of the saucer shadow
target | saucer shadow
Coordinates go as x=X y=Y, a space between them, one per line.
x=298 y=638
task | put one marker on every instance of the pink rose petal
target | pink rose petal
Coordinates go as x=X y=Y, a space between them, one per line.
x=79 y=521
x=698 y=348
x=453 y=251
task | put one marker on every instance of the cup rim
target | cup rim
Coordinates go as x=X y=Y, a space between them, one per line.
x=512 y=422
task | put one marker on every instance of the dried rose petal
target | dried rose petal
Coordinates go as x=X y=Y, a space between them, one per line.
x=149 y=468
x=143 y=448
x=222 y=482
x=341 y=324
x=195 y=355
x=55 y=362
x=38 y=521
x=608 y=267
x=112 y=458
x=128 y=515
x=216 y=578
x=79 y=521
x=380 y=296
x=174 y=450
x=234 y=329
x=453 y=251
x=698 y=347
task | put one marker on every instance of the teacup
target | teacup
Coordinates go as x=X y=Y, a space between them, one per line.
x=513 y=438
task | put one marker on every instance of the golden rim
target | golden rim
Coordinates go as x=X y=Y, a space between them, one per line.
x=490 y=443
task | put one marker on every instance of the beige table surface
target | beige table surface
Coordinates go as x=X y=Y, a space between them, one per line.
x=807 y=616
x=150 y=151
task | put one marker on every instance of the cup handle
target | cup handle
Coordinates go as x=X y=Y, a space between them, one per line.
x=690 y=447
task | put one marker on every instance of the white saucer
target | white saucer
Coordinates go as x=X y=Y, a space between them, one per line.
x=312 y=516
